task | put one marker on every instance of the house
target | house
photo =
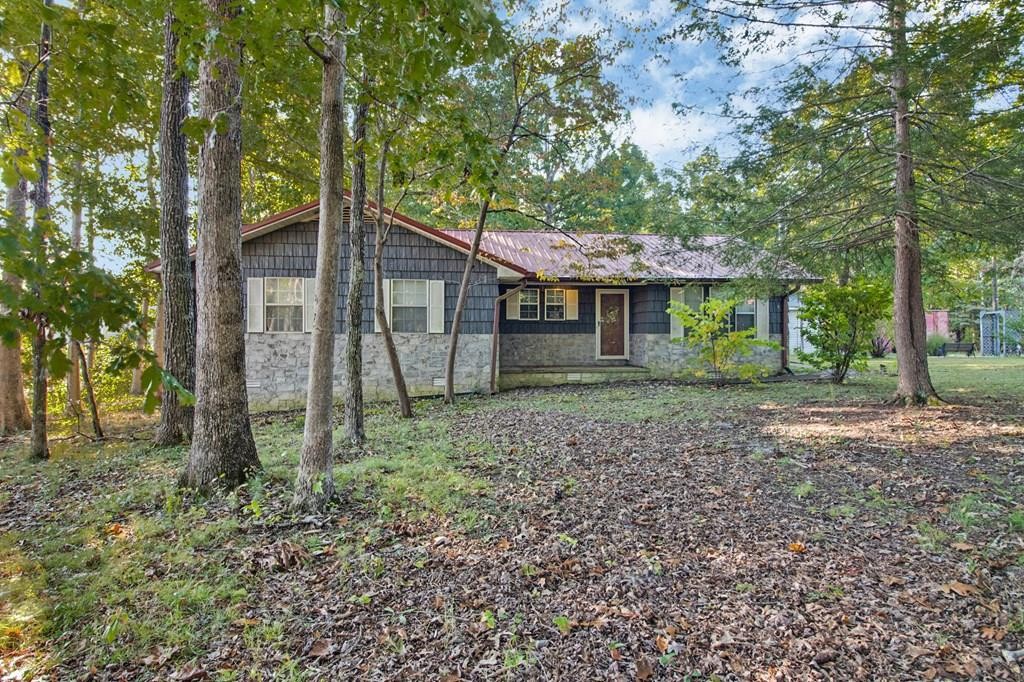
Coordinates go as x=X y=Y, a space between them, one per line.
x=543 y=307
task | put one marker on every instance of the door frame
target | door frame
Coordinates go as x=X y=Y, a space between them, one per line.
x=625 y=327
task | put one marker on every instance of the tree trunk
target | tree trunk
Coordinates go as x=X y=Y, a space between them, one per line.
x=223 y=453
x=380 y=238
x=14 y=415
x=314 y=484
x=39 y=448
x=354 y=430
x=94 y=411
x=914 y=385
x=74 y=406
x=460 y=305
x=176 y=315
x=140 y=345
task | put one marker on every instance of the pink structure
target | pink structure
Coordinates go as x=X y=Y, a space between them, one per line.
x=937 y=322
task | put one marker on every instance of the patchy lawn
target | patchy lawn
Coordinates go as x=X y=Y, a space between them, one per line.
x=645 y=531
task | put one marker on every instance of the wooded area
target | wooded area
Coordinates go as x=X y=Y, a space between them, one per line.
x=876 y=171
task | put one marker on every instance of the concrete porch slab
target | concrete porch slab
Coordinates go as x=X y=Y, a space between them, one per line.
x=518 y=377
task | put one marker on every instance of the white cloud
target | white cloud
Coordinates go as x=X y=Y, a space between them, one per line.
x=668 y=138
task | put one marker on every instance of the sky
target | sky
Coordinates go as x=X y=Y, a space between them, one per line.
x=675 y=88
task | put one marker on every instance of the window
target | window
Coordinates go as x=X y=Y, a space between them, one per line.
x=283 y=304
x=409 y=305
x=529 y=304
x=775 y=315
x=554 y=304
x=693 y=297
x=745 y=315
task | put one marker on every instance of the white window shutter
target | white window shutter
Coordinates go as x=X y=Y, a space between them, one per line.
x=435 y=306
x=761 y=317
x=386 y=286
x=308 y=297
x=675 y=329
x=512 y=307
x=254 y=294
x=572 y=304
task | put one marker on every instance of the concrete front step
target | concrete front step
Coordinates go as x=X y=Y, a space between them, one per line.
x=518 y=377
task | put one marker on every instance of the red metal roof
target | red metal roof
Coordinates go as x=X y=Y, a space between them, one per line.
x=270 y=223
x=575 y=256
x=596 y=256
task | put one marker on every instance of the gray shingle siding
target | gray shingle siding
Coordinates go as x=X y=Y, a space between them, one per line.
x=291 y=252
x=584 y=325
x=647 y=306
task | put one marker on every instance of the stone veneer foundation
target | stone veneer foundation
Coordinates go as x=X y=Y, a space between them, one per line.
x=666 y=359
x=655 y=352
x=276 y=366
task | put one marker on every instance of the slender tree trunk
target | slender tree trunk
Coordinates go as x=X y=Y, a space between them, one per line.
x=176 y=325
x=14 y=416
x=474 y=249
x=354 y=431
x=460 y=305
x=39 y=448
x=94 y=411
x=223 y=453
x=314 y=484
x=140 y=345
x=380 y=238
x=844 y=274
x=914 y=385
x=90 y=251
x=74 y=406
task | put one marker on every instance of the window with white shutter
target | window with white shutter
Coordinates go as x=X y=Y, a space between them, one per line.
x=283 y=304
x=409 y=306
x=254 y=305
x=308 y=296
x=435 y=306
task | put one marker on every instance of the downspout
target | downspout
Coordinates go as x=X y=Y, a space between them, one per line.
x=494 y=335
x=785 y=329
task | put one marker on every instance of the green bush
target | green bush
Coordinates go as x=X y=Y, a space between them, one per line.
x=841 y=323
x=935 y=343
x=719 y=350
x=112 y=387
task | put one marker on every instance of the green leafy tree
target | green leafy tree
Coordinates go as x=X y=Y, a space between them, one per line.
x=223 y=451
x=543 y=95
x=893 y=124
x=621 y=191
x=720 y=351
x=67 y=297
x=841 y=323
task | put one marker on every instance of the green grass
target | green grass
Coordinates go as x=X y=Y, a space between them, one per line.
x=958 y=377
x=955 y=378
x=127 y=564
x=117 y=562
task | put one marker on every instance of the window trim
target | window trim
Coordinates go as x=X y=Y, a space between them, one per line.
x=425 y=306
x=703 y=290
x=547 y=304
x=301 y=305
x=752 y=302
x=536 y=292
